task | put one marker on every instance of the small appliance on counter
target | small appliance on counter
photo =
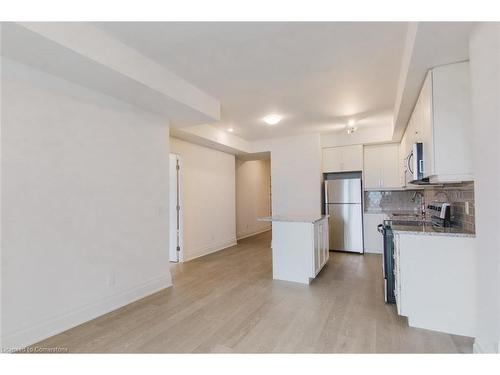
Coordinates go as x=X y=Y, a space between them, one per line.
x=440 y=213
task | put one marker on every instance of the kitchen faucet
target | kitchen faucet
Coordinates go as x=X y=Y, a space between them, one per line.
x=422 y=202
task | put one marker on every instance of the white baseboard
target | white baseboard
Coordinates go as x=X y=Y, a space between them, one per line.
x=209 y=249
x=373 y=251
x=246 y=235
x=50 y=327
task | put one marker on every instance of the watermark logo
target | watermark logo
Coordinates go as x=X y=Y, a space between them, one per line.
x=36 y=349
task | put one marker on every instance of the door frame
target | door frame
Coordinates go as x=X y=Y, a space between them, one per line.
x=180 y=216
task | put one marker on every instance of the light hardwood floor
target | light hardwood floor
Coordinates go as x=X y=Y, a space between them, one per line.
x=228 y=302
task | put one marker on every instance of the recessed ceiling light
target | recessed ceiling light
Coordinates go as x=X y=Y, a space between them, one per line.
x=230 y=130
x=272 y=119
x=352 y=122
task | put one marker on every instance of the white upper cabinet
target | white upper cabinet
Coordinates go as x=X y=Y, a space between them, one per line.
x=441 y=120
x=381 y=166
x=332 y=159
x=343 y=159
x=452 y=123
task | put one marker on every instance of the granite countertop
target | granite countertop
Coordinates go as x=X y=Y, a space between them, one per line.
x=430 y=230
x=294 y=218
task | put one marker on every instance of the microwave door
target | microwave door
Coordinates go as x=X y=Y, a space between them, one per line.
x=408 y=169
x=417 y=161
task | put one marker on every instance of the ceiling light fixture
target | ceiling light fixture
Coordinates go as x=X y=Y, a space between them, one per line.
x=230 y=130
x=350 y=126
x=272 y=119
x=351 y=130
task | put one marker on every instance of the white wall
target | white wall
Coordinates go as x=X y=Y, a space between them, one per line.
x=208 y=198
x=376 y=134
x=295 y=174
x=253 y=196
x=84 y=205
x=484 y=52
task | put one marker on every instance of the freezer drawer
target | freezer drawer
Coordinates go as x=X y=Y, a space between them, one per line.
x=346 y=227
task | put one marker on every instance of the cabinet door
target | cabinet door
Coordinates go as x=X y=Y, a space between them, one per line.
x=381 y=166
x=420 y=128
x=326 y=241
x=332 y=159
x=373 y=240
x=397 y=275
x=426 y=125
x=320 y=246
x=372 y=167
x=322 y=259
x=390 y=168
x=452 y=130
x=352 y=158
x=402 y=160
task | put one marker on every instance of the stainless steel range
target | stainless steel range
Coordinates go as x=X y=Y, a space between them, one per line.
x=440 y=213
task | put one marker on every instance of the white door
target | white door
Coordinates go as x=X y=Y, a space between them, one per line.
x=174 y=208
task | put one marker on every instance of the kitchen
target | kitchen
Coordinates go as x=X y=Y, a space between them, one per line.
x=375 y=159
x=412 y=202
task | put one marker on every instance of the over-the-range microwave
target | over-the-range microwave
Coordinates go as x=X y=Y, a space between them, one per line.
x=414 y=165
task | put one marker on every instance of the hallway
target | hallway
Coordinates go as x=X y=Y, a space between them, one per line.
x=228 y=302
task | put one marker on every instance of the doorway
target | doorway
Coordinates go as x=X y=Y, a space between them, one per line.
x=253 y=194
x=175 y=209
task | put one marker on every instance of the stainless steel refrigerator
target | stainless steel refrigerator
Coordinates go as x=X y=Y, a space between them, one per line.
x=343 y=204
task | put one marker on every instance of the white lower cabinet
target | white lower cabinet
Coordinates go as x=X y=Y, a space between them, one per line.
x=321 y=249
x=373 y=240
x=435 y=282
x=300 y=249
x=397 y=277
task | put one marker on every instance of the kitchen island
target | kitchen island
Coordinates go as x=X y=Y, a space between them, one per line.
x=299 y=246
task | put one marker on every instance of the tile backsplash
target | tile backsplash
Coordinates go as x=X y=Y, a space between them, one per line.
x=390 y=201
x=399 y=201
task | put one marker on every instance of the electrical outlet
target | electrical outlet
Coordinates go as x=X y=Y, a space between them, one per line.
x=467 y=208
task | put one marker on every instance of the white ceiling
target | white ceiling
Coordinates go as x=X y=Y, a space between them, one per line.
x=316 y=75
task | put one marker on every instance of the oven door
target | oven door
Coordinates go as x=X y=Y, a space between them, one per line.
x=388 y=263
